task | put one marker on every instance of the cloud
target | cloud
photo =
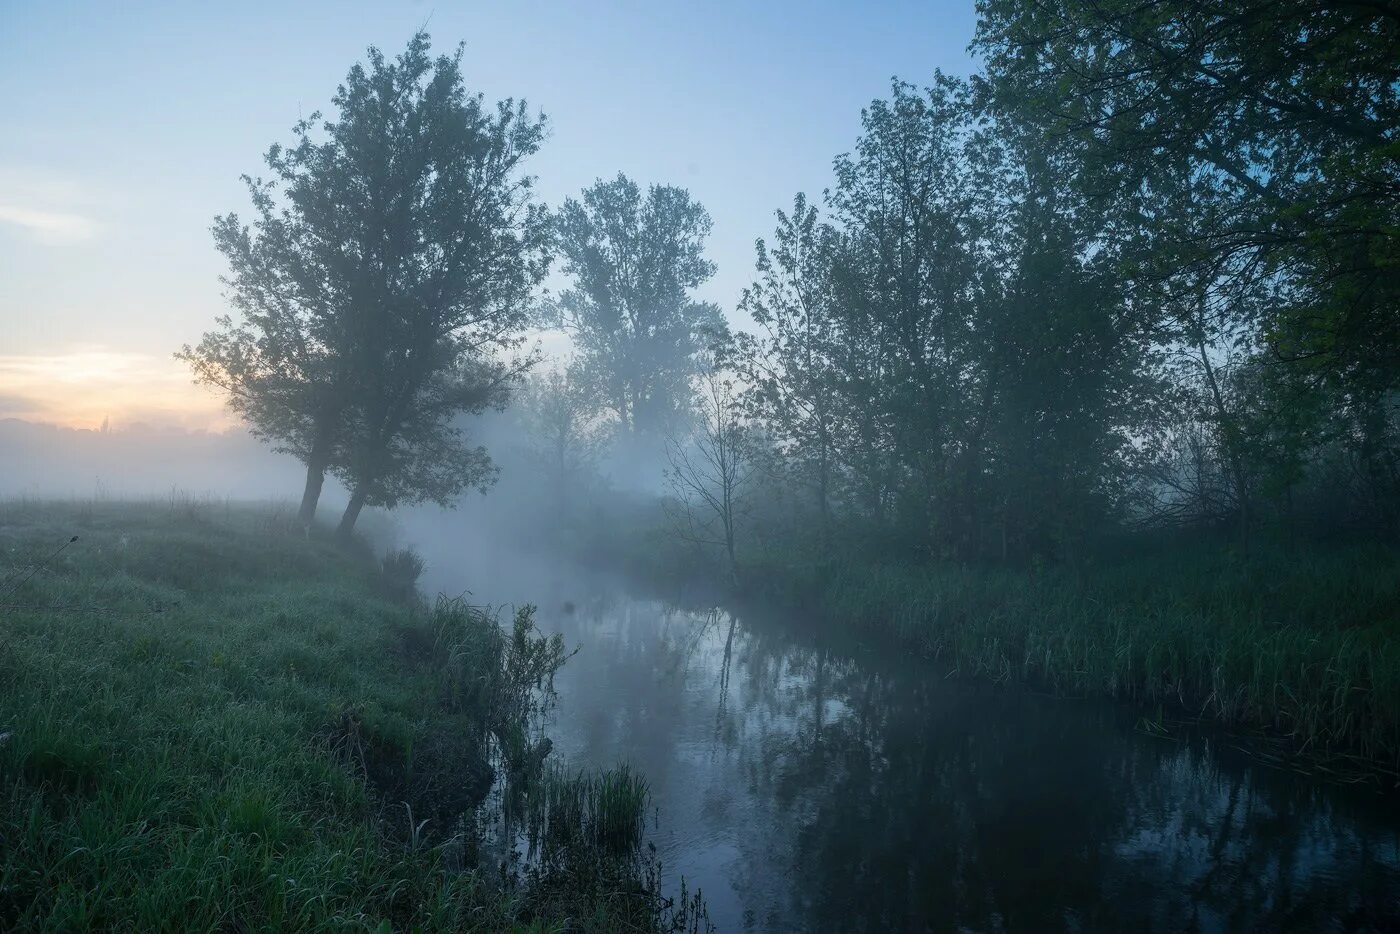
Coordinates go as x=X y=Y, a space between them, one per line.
x=83 y=386
x=55 y=228
x=51 y=207
x=14 y=405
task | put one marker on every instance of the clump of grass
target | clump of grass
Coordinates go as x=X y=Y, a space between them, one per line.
x=603 y=811
x=400 y=569
x=586 y=833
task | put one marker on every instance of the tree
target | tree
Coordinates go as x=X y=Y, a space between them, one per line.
x=388 y=271
x=635 y=262
x=1255 y=140
x=709 y=472
x=948 y=357
x=1057 y=359
x=562 y=421
x=908 y=285
x=790 y=365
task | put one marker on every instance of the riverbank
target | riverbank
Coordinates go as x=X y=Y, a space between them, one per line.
x=1300 y=646
x=207 y=715
x=1303 y=647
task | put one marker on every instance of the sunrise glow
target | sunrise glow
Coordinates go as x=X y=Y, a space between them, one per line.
x=85 y=386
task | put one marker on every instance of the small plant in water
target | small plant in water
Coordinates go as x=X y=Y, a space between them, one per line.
x=585 y=833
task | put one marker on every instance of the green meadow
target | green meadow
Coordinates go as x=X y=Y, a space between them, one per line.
x=210 y=719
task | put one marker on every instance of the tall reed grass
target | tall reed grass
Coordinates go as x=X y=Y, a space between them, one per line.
x=1303 y=645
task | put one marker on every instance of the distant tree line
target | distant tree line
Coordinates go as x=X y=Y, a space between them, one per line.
x=1141 y=271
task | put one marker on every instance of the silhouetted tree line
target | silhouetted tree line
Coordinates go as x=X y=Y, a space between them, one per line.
x=1142 y=270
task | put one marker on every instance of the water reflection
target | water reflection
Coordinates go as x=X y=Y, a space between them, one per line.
x=808 y=788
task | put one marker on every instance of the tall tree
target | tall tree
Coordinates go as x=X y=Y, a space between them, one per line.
x=635 y=262
x=908 y=286
x=387 y=275
x=948 y=357
x=790 y=364
x=1066 y=366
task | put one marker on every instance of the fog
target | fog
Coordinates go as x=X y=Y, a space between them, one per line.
x=139 y=462
x=967 y=500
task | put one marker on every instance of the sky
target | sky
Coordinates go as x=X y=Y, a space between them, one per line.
x=126 y=127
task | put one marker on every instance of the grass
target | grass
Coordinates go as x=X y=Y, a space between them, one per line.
x=603 y=810
x=1304 y=646
x=584 y=832
x=210 y=720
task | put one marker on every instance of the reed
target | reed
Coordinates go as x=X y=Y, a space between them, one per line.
x=1302 y=645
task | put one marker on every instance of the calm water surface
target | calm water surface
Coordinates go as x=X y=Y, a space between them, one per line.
x=805 y=784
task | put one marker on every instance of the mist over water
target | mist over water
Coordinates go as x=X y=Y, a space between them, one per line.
x=804 y=780
x=808 y=782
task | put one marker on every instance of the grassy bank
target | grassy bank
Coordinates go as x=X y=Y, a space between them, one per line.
x=1304 y=646
x=209 y=720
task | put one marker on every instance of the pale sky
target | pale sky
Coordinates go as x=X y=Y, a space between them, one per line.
x=126 y=126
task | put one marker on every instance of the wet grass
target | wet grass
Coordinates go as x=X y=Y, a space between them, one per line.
x=586 y=861
x=1302 y=645
x=602 y=810
x=211 y=720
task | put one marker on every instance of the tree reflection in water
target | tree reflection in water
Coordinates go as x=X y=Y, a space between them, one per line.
x=808 y=785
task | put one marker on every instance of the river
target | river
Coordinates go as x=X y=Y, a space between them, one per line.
x=803 y=782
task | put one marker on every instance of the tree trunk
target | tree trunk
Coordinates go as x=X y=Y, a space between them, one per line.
x=317 y=460
x=729 y=549
x=352 y=513
x=315 y=478
x=1229 y=431
x=727 y=520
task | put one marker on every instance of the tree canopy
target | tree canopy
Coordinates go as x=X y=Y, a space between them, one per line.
x=385 y=281
x=635 y=260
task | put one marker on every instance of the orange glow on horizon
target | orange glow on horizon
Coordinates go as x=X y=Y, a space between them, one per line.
x=84 y=387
